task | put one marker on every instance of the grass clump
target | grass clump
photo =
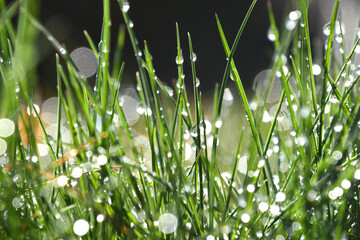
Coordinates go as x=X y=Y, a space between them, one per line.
x=88 y=172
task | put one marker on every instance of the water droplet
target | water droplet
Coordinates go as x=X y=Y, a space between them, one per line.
x=337 y=155
x=228 y=97
x=62 y=51
x=17 y=203
x=100 y=218
x=167 y=223
x=280 y=197
x=316 y=69
x=271 y=34
x=358 y=70
x=218 y=123
x=131 y=24
x=101 y=160
x=233 y=74
x=250 y=188
x=193 y=131
x=274 y=209
x=290 y=25
x=193 y=57
x=357 y=174
x=326 y=29
x=62 y=181
x=263 y=206
x=76 y=172
x=294 y=15
x=197 y=82
x=125 y=5
x=184 y=112
x=345 y=184
x=338 y=128
x=81 y=227
x=179 y=60
x=169 y=91
x=339 y=28
x=245 y=218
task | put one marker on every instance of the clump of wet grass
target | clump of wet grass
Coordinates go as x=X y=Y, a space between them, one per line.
x=80 y=167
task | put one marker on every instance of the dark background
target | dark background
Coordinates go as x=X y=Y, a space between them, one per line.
x=154 y=21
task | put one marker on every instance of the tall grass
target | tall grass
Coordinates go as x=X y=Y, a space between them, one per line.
x=98 y=177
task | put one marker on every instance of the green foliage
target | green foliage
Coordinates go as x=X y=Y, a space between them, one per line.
x=98 y=177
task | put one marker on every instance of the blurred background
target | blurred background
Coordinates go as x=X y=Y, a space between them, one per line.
x=154 y=21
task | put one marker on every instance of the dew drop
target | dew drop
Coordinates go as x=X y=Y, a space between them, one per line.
x=62 y=181
x=245 y=218
x=326 y=29
x=125 y=5
x=316 y=69
x=179 y=60
x=101 y=160
x=81 y=227
x=193 y=57
x=271 y=34
x=218 y=123
x=197 y=82
x=294 y=15
x=280 y=197
x=76 y=172
x=169 y=91
x=263 y=206
x=167 y=223
x=357 y=174
x=345 y=184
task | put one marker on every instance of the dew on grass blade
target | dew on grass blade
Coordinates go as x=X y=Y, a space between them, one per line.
x=274 y=209
x=76 y=172
x=3 y=146
x=85 y=60
x=271 y=34
x=101 y=160
x=168 y=223
x=193 y=57
x=280 y=197
x=245 y=218
x=179 y=60
x=345 y=184
x=30 y=110
x=197 y=82
x=316 y=69
x=169 y=91
x=81 y=227
x=326 y=29
x=218 y=123
x=125 y=5
x=290 y=25
x=263 y=206
x=295 y=15
x=100 y=218
x=17 y=203
x=357 y=174
x=228 y=97
x=62 y=181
